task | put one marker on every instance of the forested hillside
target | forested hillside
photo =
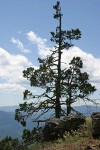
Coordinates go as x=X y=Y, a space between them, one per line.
x=10 y=127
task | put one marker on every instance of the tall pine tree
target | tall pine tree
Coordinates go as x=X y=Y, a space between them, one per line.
x=50 y=77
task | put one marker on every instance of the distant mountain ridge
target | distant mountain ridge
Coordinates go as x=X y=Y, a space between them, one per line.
x=10 y=127
x=87 y=110
x=9 y=108
x=82 y=109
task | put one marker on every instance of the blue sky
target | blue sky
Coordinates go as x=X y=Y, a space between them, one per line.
x=25 y=35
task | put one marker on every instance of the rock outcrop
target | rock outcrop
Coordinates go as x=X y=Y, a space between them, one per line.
x=96 y=124
x=73 y=121
x=55 y=128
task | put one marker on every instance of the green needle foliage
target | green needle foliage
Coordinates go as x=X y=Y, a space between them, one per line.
x=59 y=86
x=75 y=84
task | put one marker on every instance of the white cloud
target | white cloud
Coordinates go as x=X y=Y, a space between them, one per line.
x=19 y=45
x=11 y=67
x=44 y=50
x=11 y=87
x=91 y=64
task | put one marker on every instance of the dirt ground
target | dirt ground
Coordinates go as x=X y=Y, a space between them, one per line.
x=83 y=144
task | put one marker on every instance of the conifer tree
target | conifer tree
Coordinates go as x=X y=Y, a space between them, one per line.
x=50 y=77
x=75 y=85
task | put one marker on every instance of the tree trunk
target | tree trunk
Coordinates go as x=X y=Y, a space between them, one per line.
x=68 y=108
x=58 y=92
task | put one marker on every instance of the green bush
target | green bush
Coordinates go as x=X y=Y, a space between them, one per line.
x=11 y=144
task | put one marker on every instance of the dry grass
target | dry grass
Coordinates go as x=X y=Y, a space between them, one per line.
x=80 y=144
